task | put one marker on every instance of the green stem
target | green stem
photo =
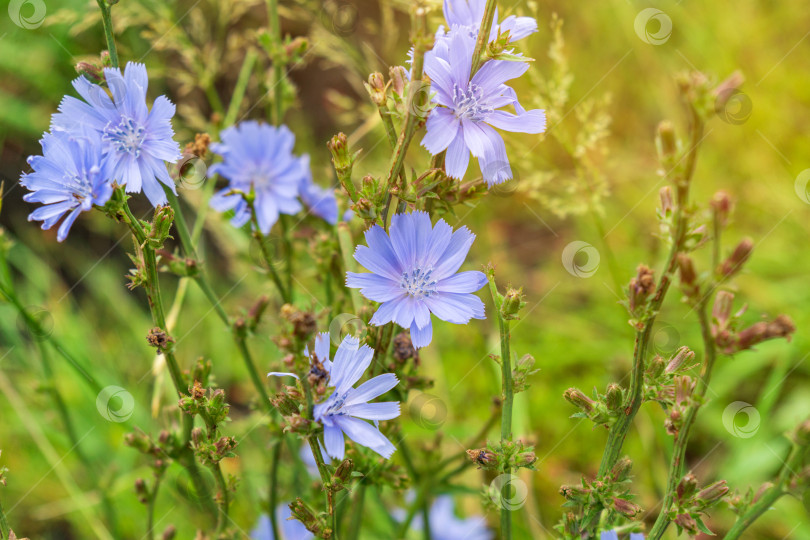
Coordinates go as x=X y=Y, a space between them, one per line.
x=793 y=463
x=415 y=90
x=483 y=35
x=258 y=382
x=350 y=265
x=508 y=393
x=273 y=498
x=223 y=496
x=241 y=86
x=678 y=462
x=106 y=21
x=356 y=521
x=276 y=58
x=4 y=527
x=150 y=509
x=286 y=234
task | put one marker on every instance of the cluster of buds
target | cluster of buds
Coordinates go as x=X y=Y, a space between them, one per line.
x=690 y=504
x=524 y=368
x=739 y=503
x=729 y=340
x=208 y=403
x=641 y=289
x=504 y=455
x=158 y=231
x=289 y=403
x=315 y=522
x=160 y=453
x=371 y=198
x=249 y=321
x=612 y=491
x=210 y=448
x=665 y=382
x=343 y=161
x=602 y=409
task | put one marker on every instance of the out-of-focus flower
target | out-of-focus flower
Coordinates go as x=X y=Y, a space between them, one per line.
x=258 y=157
x=137 y=141
x=413 y=274
x=290 y=529
x=613 y=535
x=69 y=177
x=320 y=201
x=346 y=410
x=467 y=110
x=444 y=525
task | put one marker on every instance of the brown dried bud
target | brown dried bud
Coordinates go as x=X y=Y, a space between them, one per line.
x=199 y=147
x=686 y=522
x=404 y=349
x=688 y=274
x=482 y=457
x=141 y=491
x=625 y=507
x=159 y=339
x=721 y=205
x=802 y=433
x=735 y=261
x=686 y=487
x=573 y=492
x=257 y=310
x=667 y=204
x=641 y=287
x=169 y=533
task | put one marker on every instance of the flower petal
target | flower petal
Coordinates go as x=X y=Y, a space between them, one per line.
x=371 y=389
x=463 y=282
x=421 y=337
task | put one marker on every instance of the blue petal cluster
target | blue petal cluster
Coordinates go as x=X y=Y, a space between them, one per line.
x=414 y=274
x=613 y=535
x=259 y=158
x=444 y=525
x=468 y=108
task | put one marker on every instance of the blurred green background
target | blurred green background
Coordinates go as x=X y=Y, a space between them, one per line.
x=592 y=179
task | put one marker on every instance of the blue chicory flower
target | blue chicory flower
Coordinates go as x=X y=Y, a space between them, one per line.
x=344 y=412
x=467 y=110
x=469 y=13
x=320 y=201
x=290 y=529
x=69 y=177
x=613 y=535
x=137 y=141
x=413 y=274
x=444 y=525
x=260 y=157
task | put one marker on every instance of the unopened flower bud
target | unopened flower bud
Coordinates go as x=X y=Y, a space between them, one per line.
x=376 y=88
x=573 y=492
x=344 y=471
x=761 y=491
x=614 y=397
x=141 y=491
x=735 y=261
x=169 y=533
x=780 y=327
x=577 y=398
x=621 y=470
x=686 y=522
x=525 y=459
x=625 y=507
x=303 y=513
x=197 y=436
x=161 y=226
x=802 y=434
x=667 y=144
x=641 y=287
x=686 y=487
x=403 y=348
x=667 y=204
x=721 y=311
x=711 y=493
x=727 y=89
x=721 y=205
x=687 y=271
x=399 y=79
x=657 y=366
x=257 y=310
x=285 y=405
x=90 y=71
x=683 y=355
x=512 y=302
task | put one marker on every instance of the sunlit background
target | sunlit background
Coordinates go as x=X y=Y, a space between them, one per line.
x=605 y=76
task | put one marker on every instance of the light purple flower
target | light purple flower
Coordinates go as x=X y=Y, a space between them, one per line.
x=259 y=156
x=469 y=13
x=467 y=110
x=444 y=525
x=320 y=201
x=346 y=410
x=414 y=274
x=613 y=535
x=137 y=141
x=290 y=529
x=69 y=177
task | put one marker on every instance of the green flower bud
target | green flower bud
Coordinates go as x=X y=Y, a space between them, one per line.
x=376 y=89
x=711 y=493
x=614 y=397
x=578 y=399
x=666 y=141
x=621 y=470
x=512 y=303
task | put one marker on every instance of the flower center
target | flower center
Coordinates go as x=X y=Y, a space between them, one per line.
x=126 y=137
x=470 y=103
x=418 y=283
x=82 y=186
